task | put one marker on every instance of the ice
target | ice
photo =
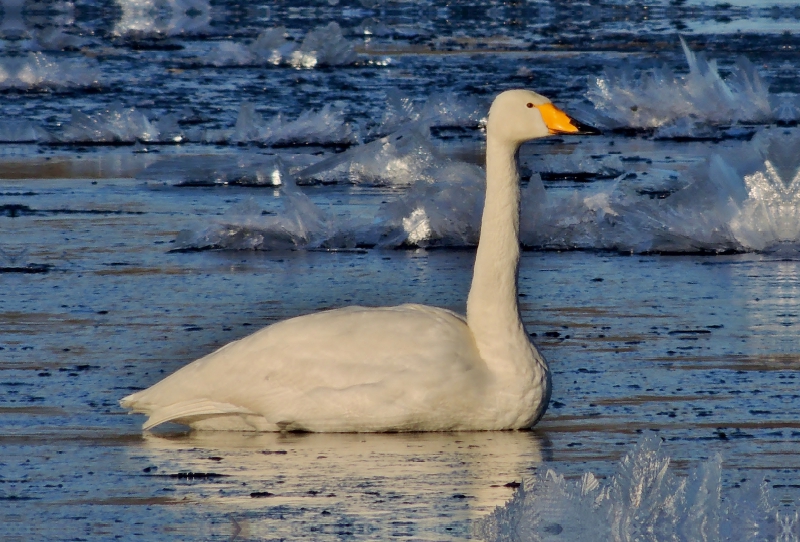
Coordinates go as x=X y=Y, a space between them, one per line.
x=786 y=107
x=443 y=212
x=658 y=97
x=118 y=124
x=441 y=204
x=22 y=131
x=744 y=200
x=169 y=129
x=54 y=39
x=163 y=18
x=230 y=53
x=322 y=46
x=399 y=159
x=212 y=170
x=643 y=500
x=770 y=214
x=441 y=110
x=270 y=47
x=324 y=127
x=299 y=225
x=115 y=124
x=37 y=70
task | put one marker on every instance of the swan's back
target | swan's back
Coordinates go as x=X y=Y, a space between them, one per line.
x=403 y=368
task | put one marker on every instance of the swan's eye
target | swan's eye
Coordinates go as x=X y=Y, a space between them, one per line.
x=530 y=105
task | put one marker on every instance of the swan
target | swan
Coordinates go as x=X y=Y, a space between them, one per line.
x=387 y=369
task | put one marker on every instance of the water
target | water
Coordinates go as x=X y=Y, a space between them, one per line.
x=140 y=138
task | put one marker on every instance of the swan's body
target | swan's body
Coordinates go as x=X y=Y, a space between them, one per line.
x=404 y=368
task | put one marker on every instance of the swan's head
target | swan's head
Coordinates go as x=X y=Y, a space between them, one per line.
x=517 y=116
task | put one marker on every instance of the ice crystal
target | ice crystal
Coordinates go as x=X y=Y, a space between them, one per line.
x=299 y=224
x=655 y=98
x=37 y=70
x=322 y=46
x=643 y=501
x=162 y=18
x=444 y=109
x=324 y=127
x=115 y=124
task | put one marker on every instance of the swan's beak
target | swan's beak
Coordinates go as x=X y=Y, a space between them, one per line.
x=560 y=123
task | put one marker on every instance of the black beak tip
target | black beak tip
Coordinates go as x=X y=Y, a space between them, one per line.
x=585 y=129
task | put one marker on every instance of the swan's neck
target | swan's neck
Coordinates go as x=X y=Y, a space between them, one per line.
x=492 y=309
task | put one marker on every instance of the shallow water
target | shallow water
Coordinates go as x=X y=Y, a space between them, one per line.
x=700 y=350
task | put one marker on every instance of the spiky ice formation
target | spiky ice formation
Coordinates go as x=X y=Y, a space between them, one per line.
x=643 y=501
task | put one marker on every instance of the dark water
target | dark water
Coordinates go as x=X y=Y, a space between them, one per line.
x=699 y=349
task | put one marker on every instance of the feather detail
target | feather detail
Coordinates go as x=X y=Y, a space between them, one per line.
x=192 y=409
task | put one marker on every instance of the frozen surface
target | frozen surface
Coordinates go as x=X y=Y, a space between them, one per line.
x=54 y=39
x=643 y=500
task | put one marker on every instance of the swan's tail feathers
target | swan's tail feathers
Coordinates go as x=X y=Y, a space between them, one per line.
x=183 y=412
x=130 y=401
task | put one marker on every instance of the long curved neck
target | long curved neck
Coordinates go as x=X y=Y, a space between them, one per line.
x=492 y=309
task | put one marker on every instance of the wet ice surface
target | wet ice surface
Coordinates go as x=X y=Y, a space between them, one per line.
x=158 y=160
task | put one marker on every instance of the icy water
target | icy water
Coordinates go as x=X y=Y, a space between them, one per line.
x=175 y=175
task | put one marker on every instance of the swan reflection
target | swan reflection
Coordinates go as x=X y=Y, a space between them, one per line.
x=270 y=484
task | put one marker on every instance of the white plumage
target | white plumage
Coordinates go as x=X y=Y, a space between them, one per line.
x=404 y=368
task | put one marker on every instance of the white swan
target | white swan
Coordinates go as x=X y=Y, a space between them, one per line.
x=404 y=368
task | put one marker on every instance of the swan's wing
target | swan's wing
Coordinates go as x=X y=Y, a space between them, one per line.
x=348 y=364
x=193 y=409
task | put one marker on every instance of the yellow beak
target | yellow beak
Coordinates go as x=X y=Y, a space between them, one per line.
x=559 y=122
